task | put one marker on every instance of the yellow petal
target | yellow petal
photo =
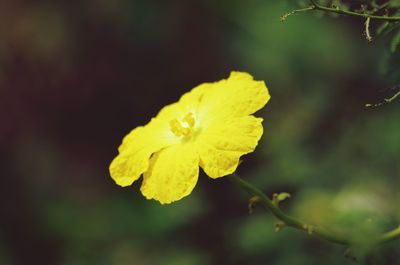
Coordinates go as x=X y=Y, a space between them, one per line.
x=136 y=149
x=237 y=96
x=221 y=145
x=172 y=174
x=189 y=102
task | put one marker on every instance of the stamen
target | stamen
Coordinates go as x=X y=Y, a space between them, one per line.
x=184 y=127
x=189 y=119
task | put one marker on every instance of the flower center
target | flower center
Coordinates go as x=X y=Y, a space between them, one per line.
x=183 y=127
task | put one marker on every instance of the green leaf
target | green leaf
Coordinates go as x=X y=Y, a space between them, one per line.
x=382 y=27
x=394 y=3
x=395 y=42
x=387 y=27
x=282 y=196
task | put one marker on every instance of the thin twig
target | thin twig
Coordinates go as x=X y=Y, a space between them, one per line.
x=285 y=16
x=385 y=101
x=367 y=32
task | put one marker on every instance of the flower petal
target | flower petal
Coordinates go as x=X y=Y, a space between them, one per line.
x=188 y=102
x=172 y=174
x=136 y=149
x=221 y=145
x=239 y=95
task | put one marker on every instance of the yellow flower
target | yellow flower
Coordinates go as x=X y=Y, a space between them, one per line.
x=210 y=126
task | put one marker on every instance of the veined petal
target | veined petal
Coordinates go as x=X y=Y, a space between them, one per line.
x=136 y=149
x=172 y=174
x=221 y=145
x=239 y=95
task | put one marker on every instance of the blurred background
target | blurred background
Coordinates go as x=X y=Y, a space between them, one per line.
x=76 y=76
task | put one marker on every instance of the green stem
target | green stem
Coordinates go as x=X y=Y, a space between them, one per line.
x=287 y=220
x=351 y=13
x=295 y=223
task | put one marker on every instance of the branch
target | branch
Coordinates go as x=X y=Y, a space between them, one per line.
x=295 y=223
x=351 y=13
x=315 y=6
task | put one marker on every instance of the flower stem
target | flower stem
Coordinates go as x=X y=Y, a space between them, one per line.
x=295 y=223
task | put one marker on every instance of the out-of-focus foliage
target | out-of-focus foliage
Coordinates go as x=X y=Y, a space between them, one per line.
x=76 y=77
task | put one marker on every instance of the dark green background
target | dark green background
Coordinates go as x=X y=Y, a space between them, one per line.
x=76 y=76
